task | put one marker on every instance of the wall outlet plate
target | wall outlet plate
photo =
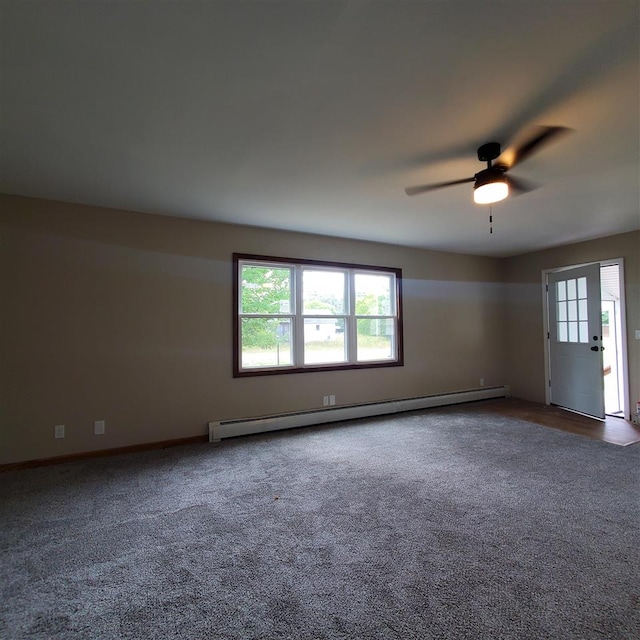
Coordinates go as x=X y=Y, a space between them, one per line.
x=58 y=431
x=98 y=428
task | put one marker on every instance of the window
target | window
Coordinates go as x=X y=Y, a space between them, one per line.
x=293 y=316
x=571 y=310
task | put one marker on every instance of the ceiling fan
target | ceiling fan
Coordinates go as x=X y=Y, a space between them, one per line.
x=493 y=184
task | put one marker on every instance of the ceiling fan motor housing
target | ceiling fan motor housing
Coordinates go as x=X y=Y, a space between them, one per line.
x=492 y=174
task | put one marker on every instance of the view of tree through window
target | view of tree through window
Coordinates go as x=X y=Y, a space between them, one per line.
x=302 y=315
x=266 y=303
x=373 y=308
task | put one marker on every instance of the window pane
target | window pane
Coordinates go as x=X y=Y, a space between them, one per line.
x=573 y=332
x=265 y=342
x=265 y=290
x=571 y=289
x=582 y=309
x=562 y=310
x=323 y=292
x=584 y=332
x=562 y=331
x=582 y=287
x=324 y=340
x=562 y=290
x=375 y=339
x=573 y=309
x=373 y=295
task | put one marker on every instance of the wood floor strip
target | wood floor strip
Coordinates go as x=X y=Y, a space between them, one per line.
x=613 y=430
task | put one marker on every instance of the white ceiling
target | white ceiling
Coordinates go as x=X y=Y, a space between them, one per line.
x=314 y=116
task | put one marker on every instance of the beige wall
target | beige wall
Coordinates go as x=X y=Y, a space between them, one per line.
x=126 y=317
x=524 y=312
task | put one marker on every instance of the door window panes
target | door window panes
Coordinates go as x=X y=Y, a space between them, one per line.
x=571 y=310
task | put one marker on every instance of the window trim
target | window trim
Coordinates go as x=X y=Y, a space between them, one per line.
x=238 y=372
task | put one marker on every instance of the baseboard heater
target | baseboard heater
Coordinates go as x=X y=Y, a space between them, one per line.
x=243 y=427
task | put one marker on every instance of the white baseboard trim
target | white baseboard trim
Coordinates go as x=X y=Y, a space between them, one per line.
x=242 y=427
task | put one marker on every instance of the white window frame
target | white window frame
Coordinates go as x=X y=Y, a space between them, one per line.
x=297 y=317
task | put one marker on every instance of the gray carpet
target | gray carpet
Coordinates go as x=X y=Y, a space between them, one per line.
x=447 y=523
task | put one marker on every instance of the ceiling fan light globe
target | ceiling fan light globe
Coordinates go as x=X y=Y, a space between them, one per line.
x=490 y=192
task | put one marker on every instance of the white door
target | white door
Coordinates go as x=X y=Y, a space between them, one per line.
x=575 y=340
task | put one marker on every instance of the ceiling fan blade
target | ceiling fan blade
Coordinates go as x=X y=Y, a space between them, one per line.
x=542 y=136
x=413 y=191
x=518 y=186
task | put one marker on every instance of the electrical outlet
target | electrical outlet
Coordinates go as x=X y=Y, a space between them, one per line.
x=325 y=401
x=98 y=428
x=332 y=400
x=482 y=382
x=58 y=431
x=637 y=334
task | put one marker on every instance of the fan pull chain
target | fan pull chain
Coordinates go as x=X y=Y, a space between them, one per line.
x=490 y=219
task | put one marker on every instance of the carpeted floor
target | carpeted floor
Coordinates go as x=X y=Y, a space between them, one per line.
x=447 y=523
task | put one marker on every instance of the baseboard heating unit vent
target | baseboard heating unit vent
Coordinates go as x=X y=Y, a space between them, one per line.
x=233 y=428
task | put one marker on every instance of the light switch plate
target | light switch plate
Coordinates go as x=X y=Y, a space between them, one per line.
x=98 y=428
